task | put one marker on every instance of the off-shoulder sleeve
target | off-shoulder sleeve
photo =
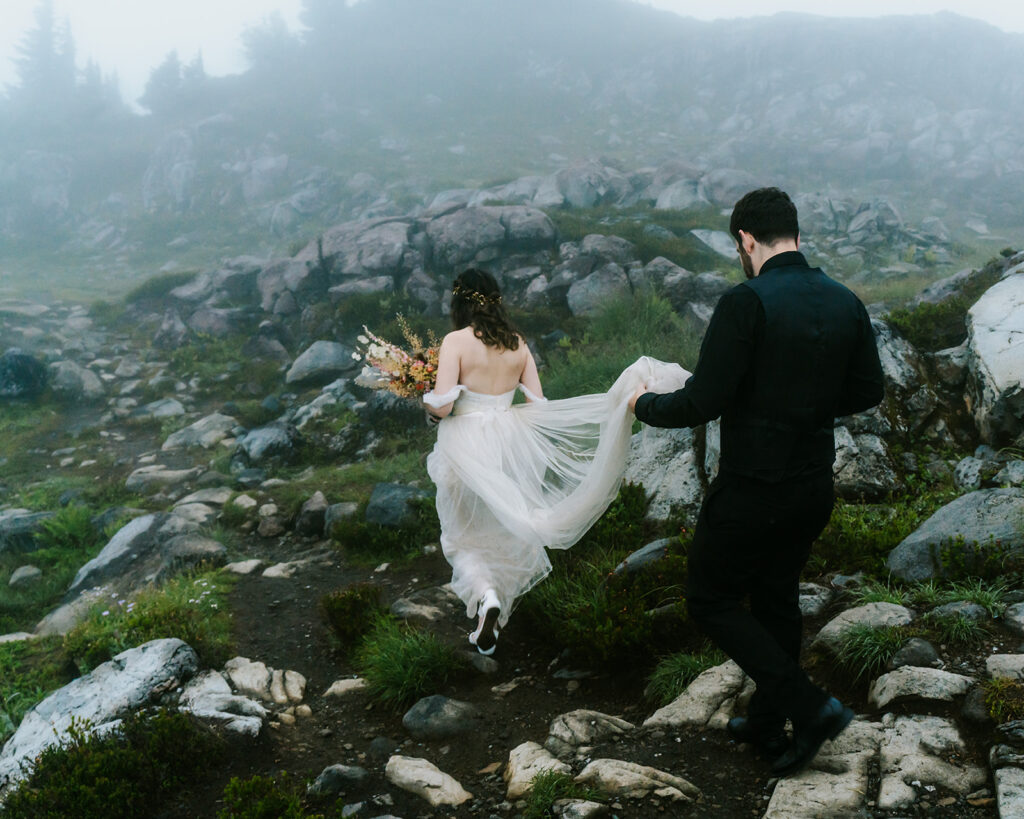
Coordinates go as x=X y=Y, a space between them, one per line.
x=431 y=399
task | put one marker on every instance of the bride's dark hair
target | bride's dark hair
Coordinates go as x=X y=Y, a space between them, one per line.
x=476 y=302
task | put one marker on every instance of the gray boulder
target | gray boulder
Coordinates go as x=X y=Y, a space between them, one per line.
x=963 y=531
x=310 y=520
x=665 y=462
x=24 y=576
x=681 y=195
x=723 y=187
x=321 y=363
x=275 y=440
x=642 y=558
x=862 y=468
x=173 y=332
x=21 y=375
x=438 y=717
x=590 y=295
x=995 y=381
x=19 y=528
x=73 y=383
x=206 y=432
x=108 y=693
x=391 y=504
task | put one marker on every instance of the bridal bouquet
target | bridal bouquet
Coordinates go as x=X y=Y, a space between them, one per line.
x=408 y=373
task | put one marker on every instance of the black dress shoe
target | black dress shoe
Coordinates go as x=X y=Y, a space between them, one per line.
x=770 y=741
x=828 y=723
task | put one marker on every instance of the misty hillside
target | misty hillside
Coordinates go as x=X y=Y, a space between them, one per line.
x=371 y=110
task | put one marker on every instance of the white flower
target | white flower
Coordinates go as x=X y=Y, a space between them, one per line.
x=362 y=339
x=106 y=613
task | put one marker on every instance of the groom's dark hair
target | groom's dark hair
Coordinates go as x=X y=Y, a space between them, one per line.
x=767 y=214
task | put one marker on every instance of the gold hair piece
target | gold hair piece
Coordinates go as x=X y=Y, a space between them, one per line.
x=476 y=295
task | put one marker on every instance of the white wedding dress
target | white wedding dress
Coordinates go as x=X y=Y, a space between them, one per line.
x=514 y=480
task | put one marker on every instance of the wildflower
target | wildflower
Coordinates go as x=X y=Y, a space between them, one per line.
x=106 y=613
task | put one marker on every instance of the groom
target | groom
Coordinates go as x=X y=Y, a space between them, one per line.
x=786 y=353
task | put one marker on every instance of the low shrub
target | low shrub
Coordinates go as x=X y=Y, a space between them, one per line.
x=29 y=671
x=351 y=612
x=955 y=630
x=548 y=787
x=262 y=797
x=401 y=664
x=148 y=761
x=193 y=608
x=874 y=591
x=675 y=672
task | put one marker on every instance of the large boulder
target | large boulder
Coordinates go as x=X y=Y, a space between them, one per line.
x=996 y=366
x=909 y=400
x=862 y=468
x=73 y=383
x=590 y=295
x=108 y=693
x=19 y=528
x=21 y=375
x=147 y=550
x=360 y=249
x=206 y=432
x=665 y=461
x=321 y=363
x=964 y=532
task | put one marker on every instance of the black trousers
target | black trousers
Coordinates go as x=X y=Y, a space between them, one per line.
x=751 y=542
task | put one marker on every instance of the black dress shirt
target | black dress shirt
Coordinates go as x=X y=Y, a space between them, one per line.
x=784 y=355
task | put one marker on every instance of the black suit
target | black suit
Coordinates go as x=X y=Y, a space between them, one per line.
x=784 y=355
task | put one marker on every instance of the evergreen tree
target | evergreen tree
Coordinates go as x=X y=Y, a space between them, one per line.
x=45 y=64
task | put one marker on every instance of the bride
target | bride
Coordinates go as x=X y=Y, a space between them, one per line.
x=515 y=480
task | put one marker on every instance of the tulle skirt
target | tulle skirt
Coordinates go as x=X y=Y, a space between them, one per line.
x=515 y=480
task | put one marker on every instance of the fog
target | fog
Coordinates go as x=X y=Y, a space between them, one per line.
x=258 y=130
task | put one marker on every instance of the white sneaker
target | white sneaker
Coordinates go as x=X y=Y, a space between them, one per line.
x=485 y=638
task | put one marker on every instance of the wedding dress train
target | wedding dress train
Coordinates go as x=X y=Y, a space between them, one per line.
x=515 y=480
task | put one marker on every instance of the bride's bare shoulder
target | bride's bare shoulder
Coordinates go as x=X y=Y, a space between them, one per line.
x=458 y=337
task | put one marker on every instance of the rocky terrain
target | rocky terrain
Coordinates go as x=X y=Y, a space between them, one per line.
x=214 y=402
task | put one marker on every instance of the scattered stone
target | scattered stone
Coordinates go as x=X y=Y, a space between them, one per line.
x=524 y=763
x=632 y=781
x=208 y=696
x=24 y=576
x=814 y=599
x=151 y=478
x=405 y=609
x=438 y=717
x=1005 y=666
x=701 y=699
x=205 y=433
x=570 y=732
x=918 y=683
x=1009 y=791
x=420 y=777
x=916 y=652
x=244 y=567
x=391 y=504
x=335 y=779
x=310 y=521
x=340 y=688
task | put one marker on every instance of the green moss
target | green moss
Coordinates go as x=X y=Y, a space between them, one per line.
x=1004 y=699
x=352 y=612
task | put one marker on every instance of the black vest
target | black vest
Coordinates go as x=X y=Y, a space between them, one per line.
x=780 y=424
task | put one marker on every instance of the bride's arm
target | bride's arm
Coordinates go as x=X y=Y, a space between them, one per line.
x=530 y=378
x=448 y=365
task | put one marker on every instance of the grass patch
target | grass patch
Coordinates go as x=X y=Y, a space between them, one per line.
x=956 y=630
x=221 y=367
x=676 y=671
x=548 y=787
x=193 y=608
x=986 y=594
x=401 y=664
x=1004 y=699
x=147 y=762
x=369 y=544
x=352 y=612
x=865 y=650
x=604 y=617
x=157 y=288
x=29 y=671
x=644 y=324
x=875 y=591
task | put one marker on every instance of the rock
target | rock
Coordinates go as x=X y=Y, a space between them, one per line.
x=212 y=496
x=172 y=333
x=645 y=557
x=205 y=433
x=681 y=195
x=24 y=576
x=391 y=504
x=665 y=462
x=524 y=763
x=701 y=699
x=341 y=688
x=576 y=729
x=1010 y=475
x=321 y=363
x=995 y=382
x=915 y=652
x=917 y=683
x=109 y=692
x=73 y=383
x=1009 y=791
x=208 y=697
x=628 y=780
x=975 y=709
x=1005 y=666
x=18 y=529
x=244 y=567
x=592 y=294
x=405 y=609
x=275 y=440
x=310 y=521
x=420 y=777
x=723 y=187
x=158 y=410
x=916 y=749
x=814 y=599
x=579 y=809
x=438 y=717
x=150 y=478
x=336 y=514
x=719 y=241
x=21 y=375
x=335 y=779
x=862 y=468
x=972 y=472
x=969 y=527
x=875 y=615
x=962 y=608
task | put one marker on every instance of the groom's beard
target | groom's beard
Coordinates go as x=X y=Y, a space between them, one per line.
x=748 y=265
